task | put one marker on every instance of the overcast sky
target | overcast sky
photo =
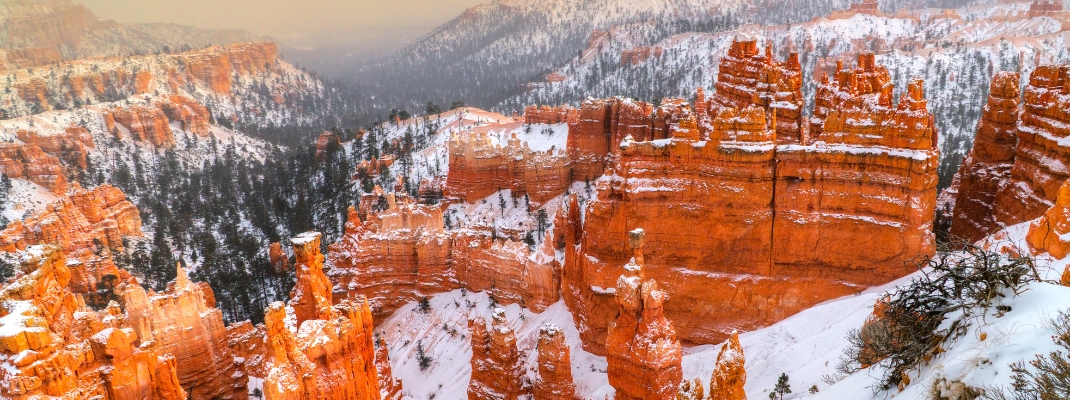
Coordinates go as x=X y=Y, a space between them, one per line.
x=294 y=22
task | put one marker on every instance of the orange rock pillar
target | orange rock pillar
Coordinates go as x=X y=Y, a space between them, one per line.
x=644 y=356
x=555 y=367
x=496 y=361
x=729 y=375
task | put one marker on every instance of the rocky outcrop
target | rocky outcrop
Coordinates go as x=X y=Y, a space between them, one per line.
x=599 y=129
x=1042 y=160
x=88 y=225
x=248 y=342
x=643 y=354
x=746 y=77
x=191 y=115
x=71 y=146
x=640 y=54
x=330 y=353
x=987 y=169
x=216 y=66
x=773 y=227
x=144 y=124
x=28 y=161
x=729 y=376
x=183 y=323
x=496 y=362
x=549 y=115
x=389 y=386
x=1051 y=232
x=54 y=346
x=326 y=144
x=279 y=261
x=479 y=168
x=311 y=295
x=555 y=367
x=404 y=253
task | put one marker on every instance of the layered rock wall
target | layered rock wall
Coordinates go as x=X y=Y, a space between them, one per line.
x=28 y=161
x=747 y=77
x=404 y=253
x=88 y=225
x=144 y=124
x=774 y=227
x=479 y=168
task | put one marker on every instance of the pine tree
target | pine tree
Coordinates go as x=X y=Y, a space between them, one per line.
x=782 y=387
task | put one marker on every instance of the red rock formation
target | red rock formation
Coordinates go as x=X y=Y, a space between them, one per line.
x=145 y=124
x=389 y=386
x=29 y=57
x=775 y=227
x=248 y=343
x=1041 y=8
x=217 y=65
x=326 y=143
x=729 y=376
x=496 y=362
x=1042 y=161
x=328 y=356
x=1051 y=232
x=643 y=354
x=87 y=224
x=479 y=168
x=746 y=78
x=142 y=79
x=35 y=91
x=311 y=296
x=404 y=253
x=71 y=146
x=183 y=323
x=279 y=261
x=27 y=161
x=549 y=115
x=53 y=346
x=987 y=169
x=555 y=367
x=640 y=54
x=192 y=115
x=598 y=130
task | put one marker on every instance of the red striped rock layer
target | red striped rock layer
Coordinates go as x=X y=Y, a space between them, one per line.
x=28 y=161
x=72 y=145
x=1042 y=158
x=746 y=77
x=79 y=223
x=404 y=254
x=479 y=168
x=145 y=124
x=987 y=169
x=774 y=228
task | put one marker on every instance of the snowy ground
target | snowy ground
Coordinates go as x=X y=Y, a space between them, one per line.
x=806 y=346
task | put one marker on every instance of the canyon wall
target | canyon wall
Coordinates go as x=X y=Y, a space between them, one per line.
x=404 y=253
x=747 y=78
x=774 y=227
x=478 y=168
x=87 y=225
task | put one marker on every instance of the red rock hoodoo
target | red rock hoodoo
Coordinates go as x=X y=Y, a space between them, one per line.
x=644 y=356
x=1051 y=232
x=555 y=367
x=182 y=322
x=729 y=375
x=54 y=346
x=773 y=227
x=987 y=169
x=330 y=354
x=496 y=362
x=1041 y=161
x=746 y=77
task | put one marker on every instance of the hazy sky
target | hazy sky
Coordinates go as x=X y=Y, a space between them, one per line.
x=294 y=22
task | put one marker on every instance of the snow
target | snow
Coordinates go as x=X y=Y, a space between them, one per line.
x=443 y=333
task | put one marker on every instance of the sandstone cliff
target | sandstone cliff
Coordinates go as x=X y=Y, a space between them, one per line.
x=774 y=227
x=87 y=225
x=747 y=78
x=496 y=366
x=404 y=253
x=478 y=168
x=644 y=356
